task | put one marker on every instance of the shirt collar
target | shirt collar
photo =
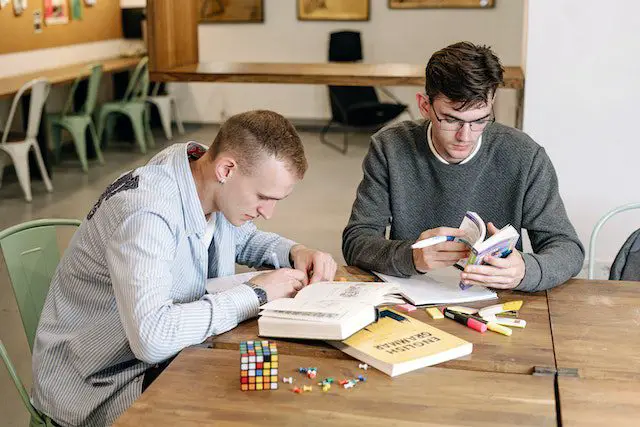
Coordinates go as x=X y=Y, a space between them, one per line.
x=194 y=220
x=440 y=158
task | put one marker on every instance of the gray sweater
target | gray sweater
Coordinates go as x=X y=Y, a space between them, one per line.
x=510 y=180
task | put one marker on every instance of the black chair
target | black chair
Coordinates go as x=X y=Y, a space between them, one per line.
x=355 y=107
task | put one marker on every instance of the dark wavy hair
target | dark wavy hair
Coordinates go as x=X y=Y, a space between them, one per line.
x=465 y=73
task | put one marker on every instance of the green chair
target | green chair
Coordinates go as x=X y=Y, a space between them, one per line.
x=31 y=254
x=132 y=105
x=77 y=123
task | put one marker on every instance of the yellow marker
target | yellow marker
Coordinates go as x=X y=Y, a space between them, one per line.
x=435 y=313
x=492 y=310
x=499 y=328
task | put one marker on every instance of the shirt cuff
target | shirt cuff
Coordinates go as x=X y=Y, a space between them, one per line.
x=403 y=259
x=244 y=300
x=532 y=274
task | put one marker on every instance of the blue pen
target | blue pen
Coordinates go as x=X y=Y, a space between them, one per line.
x=274 y=260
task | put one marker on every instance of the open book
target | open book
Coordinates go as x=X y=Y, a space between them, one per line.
x=437 y=287
x=326 y=310
x=500 y=244
x=396 y=344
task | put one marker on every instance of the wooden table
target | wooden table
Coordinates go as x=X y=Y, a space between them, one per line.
x=588 y=402
x=520 y=353
x=596 y=328
x=320 y=73
x=10 y=85
x=202 y=387
x=583 y=325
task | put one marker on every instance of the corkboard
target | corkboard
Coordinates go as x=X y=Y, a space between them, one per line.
x=99 y=22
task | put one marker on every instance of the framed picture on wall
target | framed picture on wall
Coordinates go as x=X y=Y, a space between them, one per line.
x=333 y=10
x=440 y=4
x=220 y=11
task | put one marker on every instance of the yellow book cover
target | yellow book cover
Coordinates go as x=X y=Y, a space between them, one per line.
x=397 y=344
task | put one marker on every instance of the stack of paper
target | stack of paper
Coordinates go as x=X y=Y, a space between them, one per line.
x=438 y=288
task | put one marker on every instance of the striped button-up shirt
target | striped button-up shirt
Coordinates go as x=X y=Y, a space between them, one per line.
x=130 y=290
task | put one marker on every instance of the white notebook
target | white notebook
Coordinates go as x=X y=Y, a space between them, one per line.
x=438 y=288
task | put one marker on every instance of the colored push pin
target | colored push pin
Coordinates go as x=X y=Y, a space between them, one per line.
x=363 y=366
x=343 y=382
x=307 y=388
x=328 y=380
x=287 y=380
x=349 y=384
x=326 y=387
x=361 y=378
x=312 y=372
x=297 y=390
x=302 y=370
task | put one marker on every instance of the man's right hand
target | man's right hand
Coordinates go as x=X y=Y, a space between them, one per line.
x=442 y=254
x=280 y=283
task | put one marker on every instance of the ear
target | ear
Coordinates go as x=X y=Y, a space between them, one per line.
x=423 y=104
x=225 y=167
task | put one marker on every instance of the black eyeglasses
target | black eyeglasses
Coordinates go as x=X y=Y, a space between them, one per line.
x=452 y=124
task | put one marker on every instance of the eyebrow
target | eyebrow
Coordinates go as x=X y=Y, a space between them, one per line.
x=457 y=118
x=264 y=196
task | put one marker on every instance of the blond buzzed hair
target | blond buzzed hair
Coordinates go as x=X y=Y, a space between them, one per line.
x=254 y=134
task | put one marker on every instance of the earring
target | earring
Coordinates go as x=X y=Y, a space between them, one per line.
x=221 y=180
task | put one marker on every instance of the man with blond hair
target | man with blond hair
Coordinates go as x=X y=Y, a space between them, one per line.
x=129 y=293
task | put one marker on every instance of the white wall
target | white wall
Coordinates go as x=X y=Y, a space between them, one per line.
x=389 y=36
x=582 y=94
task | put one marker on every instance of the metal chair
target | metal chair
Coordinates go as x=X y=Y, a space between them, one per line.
x=596 y=230
x=31 y=254
x=18 y=148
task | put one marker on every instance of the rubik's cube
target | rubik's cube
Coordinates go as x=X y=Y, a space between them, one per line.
x=258 y=365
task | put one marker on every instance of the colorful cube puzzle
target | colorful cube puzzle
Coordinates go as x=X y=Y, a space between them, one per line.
x=258 y=365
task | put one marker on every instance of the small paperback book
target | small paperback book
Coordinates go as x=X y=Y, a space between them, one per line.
x=326 y=310
x=500 y=244
x=397 y=344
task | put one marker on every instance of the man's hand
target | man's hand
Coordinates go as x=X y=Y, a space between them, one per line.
x=281 y=283
x=317 y=266
x=442 y=254
x=499 y=273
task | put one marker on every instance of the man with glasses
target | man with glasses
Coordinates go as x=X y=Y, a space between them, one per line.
x=421 y=177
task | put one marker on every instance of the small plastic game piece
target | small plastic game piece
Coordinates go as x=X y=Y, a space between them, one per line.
x=363 y=366
x=287 y=380
x=307 y=388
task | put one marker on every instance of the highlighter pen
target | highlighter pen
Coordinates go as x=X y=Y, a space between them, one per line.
x=466 y=320
x=493 y=326
x=425 y=243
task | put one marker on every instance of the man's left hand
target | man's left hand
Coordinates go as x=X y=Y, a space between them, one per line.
x=318 y=266
x=499 y=273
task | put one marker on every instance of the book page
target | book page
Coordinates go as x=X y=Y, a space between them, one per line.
x=439 y=287
x=473 y=227
x=367 y=292
x=219 y=284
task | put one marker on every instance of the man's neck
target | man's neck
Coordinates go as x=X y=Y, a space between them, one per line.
x=205 y=187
